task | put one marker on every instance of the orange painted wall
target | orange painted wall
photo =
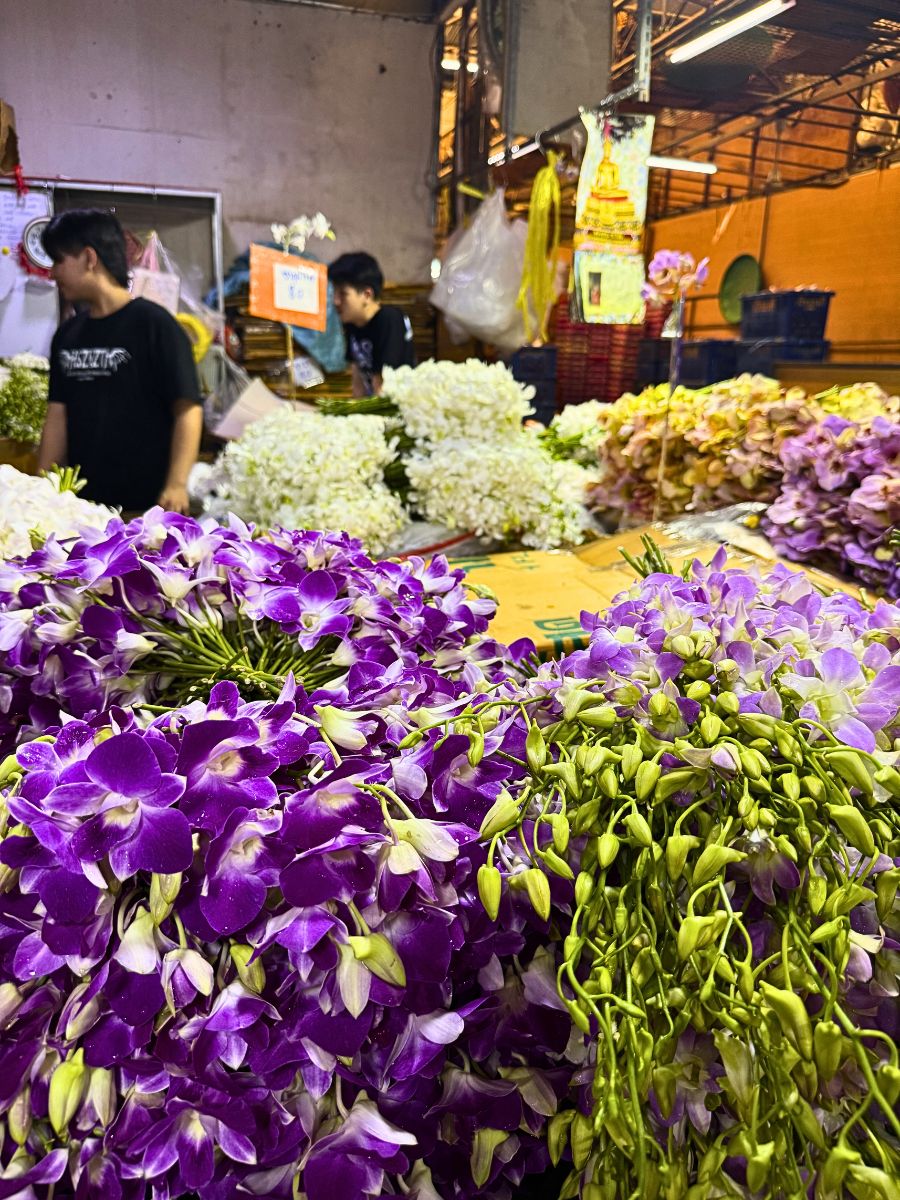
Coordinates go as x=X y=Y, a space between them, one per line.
x=846 y=239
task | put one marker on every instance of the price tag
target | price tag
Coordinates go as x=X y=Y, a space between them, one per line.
x=289 y=289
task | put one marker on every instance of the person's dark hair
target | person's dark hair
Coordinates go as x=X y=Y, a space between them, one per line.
x=358 y=270
x=70 y=232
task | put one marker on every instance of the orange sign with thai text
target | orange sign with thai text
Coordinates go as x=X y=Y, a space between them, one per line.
x=289 y=289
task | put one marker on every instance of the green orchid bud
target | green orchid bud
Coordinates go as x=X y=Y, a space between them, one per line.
x=828 y=1049
x=750 y=763
x=836 y=1166
x=581 y=1137
x=559 y=827
x=10 y=1001
x=693 y=934
x=566 y=773
x=792 y=1016
x=664 y=1086
x=681 y=645
x=572 y=948
x=711 y=728
x=889 y=779
x=886 y=885
x=603 y=716
x=758 y=725
x=67 y=1087
x=586 y=816
x=645 y=779
x=851 y=768
x=758 y=1165
x=380 y=957
x=632 y=757
x=813 y=787
x=828 y=930
x=677 y=849
x=888 y=1079
x=558 y=1134
x=476 y=748
x=816 y=893
x=789 y=783
x=620 y=918
x=608 y=783
x=501 y=816
x=643 y=968
x=727 y=703
x=682 y=779
x=557 y=865
x=535 y=749
x=490 y=889
x=164 y=891
x=538 y=889
x=574 y=701
x=604 y=981
x=871 y=1183
x=713 y=861
x=607 y=849
x=251 y=974
x=659 y=705
x=699 y=690
x=638 y=828
x=102 y=1095
x=845 y=899
x=853 y=825
x=584 y=888
x=19 y=1116
x=579 y=1018
x=485 y=1144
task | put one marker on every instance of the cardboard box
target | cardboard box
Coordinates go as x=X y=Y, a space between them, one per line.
x=542 y=594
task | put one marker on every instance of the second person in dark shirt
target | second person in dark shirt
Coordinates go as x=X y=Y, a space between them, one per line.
x=378 y=335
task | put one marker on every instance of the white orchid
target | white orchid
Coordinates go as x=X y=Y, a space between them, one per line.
x=32 y=508
x=301 y=229
x=471 y=400
x=307 y=471
x=31 y=362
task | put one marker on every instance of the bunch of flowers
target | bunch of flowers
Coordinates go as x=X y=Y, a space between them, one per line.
x=24 y=382
x=840 y=498
x=673 y=273
x=156 y=611
x=301 y=470
x=301 y=229
x=578 y=432
x=718 y=771
x=721 y=446
x=510 y=490
x=473 y=400
x=32 y=508
x=242 y=954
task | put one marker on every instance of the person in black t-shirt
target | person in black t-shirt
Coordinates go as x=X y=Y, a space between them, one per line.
x=378 y=335
x=124 y=402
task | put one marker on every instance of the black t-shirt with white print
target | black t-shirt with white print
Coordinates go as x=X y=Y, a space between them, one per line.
x=385 y=341
x=119 y=377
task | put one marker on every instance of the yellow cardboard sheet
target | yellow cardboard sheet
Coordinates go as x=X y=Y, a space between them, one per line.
x=542 y=594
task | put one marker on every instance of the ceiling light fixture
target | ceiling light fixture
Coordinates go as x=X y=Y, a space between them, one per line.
x=681 y=164
x=450 y=64
x=729 y=29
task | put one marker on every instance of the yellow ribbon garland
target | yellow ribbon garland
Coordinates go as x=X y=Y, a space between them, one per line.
x=541 y=249
x=199 y=335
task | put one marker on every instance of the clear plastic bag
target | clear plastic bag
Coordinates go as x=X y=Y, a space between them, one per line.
x=482 y=273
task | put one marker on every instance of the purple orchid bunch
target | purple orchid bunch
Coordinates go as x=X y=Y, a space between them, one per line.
x=673 y=273
x=718 y=770
x=242 y=953
x=840 y=499
x=153 y=613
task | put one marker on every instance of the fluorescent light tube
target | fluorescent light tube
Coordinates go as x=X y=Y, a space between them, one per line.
x=450 y=64
x=729 y=29
x=681 y=164
x=472 y=68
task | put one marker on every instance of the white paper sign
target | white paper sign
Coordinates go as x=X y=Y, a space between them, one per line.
x=255 y=402
x=296 y=288
x=162 y=287
x=306 y=373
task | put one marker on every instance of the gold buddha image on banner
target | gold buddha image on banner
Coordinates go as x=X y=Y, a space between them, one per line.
x=612 y=189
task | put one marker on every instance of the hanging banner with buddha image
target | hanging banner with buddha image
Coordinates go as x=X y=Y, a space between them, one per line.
x=611 y=203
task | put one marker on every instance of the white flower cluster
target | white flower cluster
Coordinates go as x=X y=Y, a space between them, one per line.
x=31 y=508
x=31 y=362
x=440 y=400
x=301 y=229
x=503 y=490
x=307 y=471
x=577 y=432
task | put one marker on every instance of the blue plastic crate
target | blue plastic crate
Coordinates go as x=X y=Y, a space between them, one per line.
x=544 y=401
x=532 y=363
x=758 y=357
x=706 y=361
x=799 y=315
x=653 y=360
